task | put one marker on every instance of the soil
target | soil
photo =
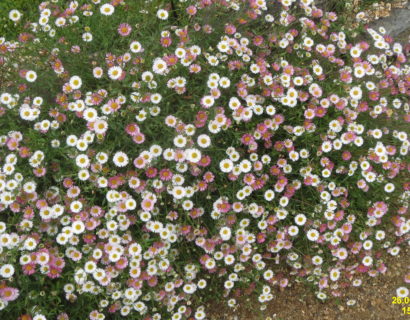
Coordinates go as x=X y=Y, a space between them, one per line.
x=373 y=300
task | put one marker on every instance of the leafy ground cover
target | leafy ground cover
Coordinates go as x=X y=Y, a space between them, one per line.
x=158 y=155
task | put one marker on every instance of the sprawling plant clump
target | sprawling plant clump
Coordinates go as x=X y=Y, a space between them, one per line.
x=157 y=153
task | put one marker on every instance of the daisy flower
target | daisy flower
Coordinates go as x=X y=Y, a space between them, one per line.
x=162 y=14
x=124 y=29
x=7 y=271
x=355 y=52
x=107 y=9
x=312 y=235
x=193 y=155
x=90 y=114
x=100 y=126
x=87 y=37
x=207 y=101
x=178 y=192
x=14 y=15
x=225 y=233
x=223 y=46
x=156 y=98
x=159 y=66
x=224 y=82
x=402 y=292
x=115 y=72
x=226 y=165
x=31 y=76
x=334 y=274
x=120 y=159
x=98 y=72
x=75 y=82
x=356 y=93
x=389 y=187
x=135 y=47
x=269 y=195
x=300 y=219
x=82 y=161
x=204 y=141
x=180 y=141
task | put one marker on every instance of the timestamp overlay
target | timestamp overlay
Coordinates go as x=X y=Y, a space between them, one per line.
x=404 y=302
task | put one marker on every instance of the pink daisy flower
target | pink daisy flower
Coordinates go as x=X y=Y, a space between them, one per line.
x=151 y=172
x=166 y=42
x=209 y=177
x=132 y=129
x=139 y=138
x=147 y=204
x=124 y=29
x=202 y=185
x=9 y=294
x=165 y=174
x=191 y=10
x=29 y=268
x=195 y=68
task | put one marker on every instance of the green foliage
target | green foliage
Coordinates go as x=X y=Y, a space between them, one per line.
x=9 y=28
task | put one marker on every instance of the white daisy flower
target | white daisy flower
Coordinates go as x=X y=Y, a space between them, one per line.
x=180 y=141
x=115 y=72
x=100 y=126
x=359 y=72
x=102 y=157
x=224 y=82
x=312 y=234
x=31 y=76
x=300 y=219
x=225 y=233
x=14 y=15
x=293 y=231
x=208 y=101
x=226 y=165
x=367 y=261
x=308 y=42
x=159 y=66
x=29 y=187
x=76 y=206
x=82 y=161
x=162 y=14
x=178 y=192
x=180 y=52
x=120 y=159
x=204 y=141
x=7 y=271
x=402 y=292
x=107 y=9
x=30 y=244
x=356 y=93
x=156 y=98
x=98 y=72
x=87 y=37
x=245 y=166
x=75 y=82
x=355 y=52
x=90 y=114
x=269 y=195
x=326 y=146
x=223 y=46
x=389 y=187
x=334 y=274
x=136 y=47
x=6 y=98
x=193 y=155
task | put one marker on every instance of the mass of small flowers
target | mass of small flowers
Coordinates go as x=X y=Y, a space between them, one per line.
x=156 y=153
